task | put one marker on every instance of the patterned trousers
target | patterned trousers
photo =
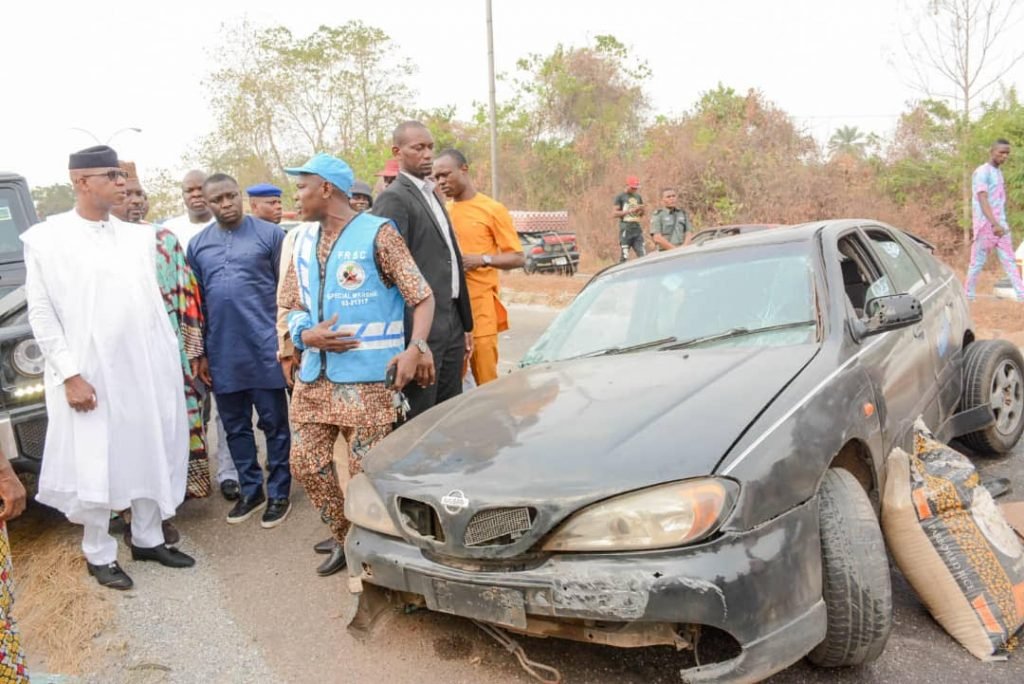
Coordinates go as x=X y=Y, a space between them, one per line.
x=12 y=659
x=312 y=463
x=984 y=242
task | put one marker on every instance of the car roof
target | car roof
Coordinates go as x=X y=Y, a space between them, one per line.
x=802 y=232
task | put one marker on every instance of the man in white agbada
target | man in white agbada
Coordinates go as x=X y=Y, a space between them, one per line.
x=118 y=428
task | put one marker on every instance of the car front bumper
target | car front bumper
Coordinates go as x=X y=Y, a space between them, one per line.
x=22 y=434
x=761 y=586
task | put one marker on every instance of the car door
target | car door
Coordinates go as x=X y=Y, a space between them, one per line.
x=898 y=362
x=922 y=349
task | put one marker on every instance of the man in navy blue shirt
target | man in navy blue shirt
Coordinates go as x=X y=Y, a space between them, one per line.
x=236 y=261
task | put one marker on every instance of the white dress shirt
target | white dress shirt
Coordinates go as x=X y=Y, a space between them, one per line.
x=427 y=188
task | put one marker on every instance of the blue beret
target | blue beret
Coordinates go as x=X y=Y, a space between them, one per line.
x=263 y=190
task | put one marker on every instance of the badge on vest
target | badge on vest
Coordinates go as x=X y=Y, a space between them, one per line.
x=351 y=275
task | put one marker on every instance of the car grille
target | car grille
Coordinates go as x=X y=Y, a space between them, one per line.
x=499 y=526
x=31 y=437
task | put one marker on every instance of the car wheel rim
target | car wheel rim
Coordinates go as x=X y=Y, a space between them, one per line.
x=1007 y=397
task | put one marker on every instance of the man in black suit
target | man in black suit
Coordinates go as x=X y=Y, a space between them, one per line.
x=421 y=218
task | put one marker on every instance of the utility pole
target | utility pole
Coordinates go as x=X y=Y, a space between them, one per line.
x=494 y=108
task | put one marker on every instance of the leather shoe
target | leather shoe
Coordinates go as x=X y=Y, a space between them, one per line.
x=326 y=546
x=230 y=490
x=167 y=556
x=245 y=508
x=334 y=562
x=111 y=576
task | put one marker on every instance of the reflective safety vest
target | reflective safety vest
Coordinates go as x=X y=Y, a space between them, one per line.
x=351 y=287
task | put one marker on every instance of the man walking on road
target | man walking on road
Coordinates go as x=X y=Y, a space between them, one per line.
x=112 y=441
x=670 y=226
x=422 y=221
x=236 y=261
x=346 y=291
x=629 y=207
x=489 y=242
x=991 y=231
x=265 y=202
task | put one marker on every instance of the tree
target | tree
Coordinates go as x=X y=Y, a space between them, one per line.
x=957 y=53
x=53 y=199
x=849 y=141
x=281 y=98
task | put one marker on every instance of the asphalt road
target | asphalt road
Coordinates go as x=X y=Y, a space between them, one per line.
x=254 y=610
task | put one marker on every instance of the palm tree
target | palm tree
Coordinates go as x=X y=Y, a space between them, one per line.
x=848 y=140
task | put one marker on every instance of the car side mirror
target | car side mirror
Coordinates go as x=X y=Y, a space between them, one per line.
x=890 y=312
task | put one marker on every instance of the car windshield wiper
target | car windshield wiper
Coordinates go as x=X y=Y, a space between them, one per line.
x=624 y=350
x=735 y=332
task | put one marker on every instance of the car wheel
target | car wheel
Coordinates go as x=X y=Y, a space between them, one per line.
x=994 y=376
x=855 y=575
x=529 y=268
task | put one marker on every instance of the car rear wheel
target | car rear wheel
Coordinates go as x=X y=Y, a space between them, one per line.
x=530 y=267
x=855 y=575
x=994 y=376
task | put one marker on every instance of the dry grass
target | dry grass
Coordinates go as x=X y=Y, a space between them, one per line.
x=59 y=609
x=541 y=288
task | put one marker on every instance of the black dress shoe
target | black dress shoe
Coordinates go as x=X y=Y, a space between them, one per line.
x=246 y=507
x=111 y=575
x=277 y=511
x=171 y=534
x=334 y=562
x=230 y=490
x=326 y=546
x=167 y=556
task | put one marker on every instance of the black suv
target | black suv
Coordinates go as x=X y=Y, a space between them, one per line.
x=22 y=409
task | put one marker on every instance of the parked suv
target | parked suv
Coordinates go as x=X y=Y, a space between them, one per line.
x=22 y=409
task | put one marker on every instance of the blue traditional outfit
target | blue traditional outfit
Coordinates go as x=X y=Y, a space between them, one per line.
x=238 y=270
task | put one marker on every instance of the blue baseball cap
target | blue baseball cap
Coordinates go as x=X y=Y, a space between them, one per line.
x=263 y=190
x=331 y=169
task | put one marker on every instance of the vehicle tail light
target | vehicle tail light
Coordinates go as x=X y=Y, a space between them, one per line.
x=537 y=250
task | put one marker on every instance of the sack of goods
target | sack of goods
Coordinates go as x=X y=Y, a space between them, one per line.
x=954 y=546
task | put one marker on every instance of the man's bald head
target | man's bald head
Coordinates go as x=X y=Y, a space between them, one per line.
x=192 y=194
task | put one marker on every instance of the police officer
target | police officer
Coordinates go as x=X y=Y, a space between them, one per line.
x=670 y=226
x=265 y=202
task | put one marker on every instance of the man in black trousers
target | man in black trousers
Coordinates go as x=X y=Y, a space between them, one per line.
x=421 y=218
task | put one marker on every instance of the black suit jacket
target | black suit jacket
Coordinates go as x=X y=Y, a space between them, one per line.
x=403 y=203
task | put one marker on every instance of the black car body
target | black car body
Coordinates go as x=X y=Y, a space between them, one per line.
x=550 y=252
x=538 y=502
x=22 y=409
x=718 y=232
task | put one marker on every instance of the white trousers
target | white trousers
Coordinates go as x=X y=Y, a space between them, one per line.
x=225 y=466
x=101 y=549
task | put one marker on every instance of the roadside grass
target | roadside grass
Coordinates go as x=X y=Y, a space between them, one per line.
x=59 y=609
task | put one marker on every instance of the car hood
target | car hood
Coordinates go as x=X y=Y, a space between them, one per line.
x=582 y=430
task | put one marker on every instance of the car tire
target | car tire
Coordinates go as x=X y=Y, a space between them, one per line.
x=994 y=375
x=529 y=268
x=856 y=585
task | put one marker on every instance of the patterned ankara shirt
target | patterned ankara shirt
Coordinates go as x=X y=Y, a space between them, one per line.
x=363 y=403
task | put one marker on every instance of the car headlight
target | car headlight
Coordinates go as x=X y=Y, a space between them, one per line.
x=655 y=518
x=365 y=508
x=27 y=358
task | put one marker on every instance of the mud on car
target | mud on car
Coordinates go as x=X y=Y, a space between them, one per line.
x=692 y=455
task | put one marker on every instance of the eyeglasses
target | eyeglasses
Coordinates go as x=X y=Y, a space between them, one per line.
x=112 y=175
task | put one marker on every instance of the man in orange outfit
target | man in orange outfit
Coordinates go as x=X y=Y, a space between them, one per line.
x=488 y=242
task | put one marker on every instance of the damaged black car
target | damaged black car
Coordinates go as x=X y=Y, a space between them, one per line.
x=692 y=454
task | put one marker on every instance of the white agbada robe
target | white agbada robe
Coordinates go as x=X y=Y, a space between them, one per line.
x=96 y=310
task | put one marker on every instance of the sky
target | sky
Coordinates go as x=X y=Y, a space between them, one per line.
x=104 y=67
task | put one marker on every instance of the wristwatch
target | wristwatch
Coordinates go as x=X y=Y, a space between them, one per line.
x=487 y=259
x=420 y=344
